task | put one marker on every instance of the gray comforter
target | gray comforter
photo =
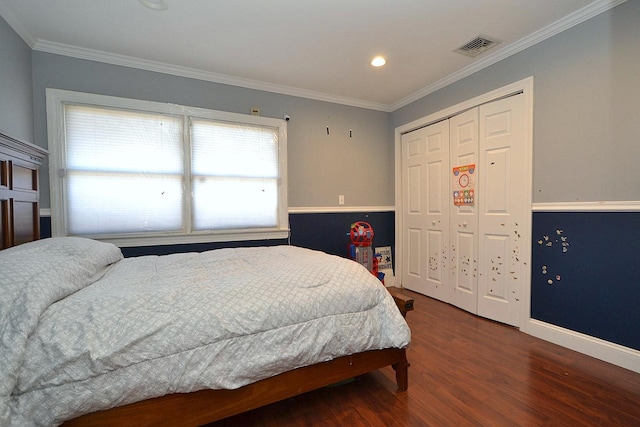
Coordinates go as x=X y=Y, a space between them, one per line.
x=83 y=329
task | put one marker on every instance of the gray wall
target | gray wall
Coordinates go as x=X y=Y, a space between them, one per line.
x=586 y=138
x=321 y=166
x=16 y=100
x=586 y=114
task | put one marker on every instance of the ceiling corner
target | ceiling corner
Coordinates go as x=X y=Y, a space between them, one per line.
x=14 y=22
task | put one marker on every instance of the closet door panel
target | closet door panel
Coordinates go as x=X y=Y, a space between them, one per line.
x=502 y=214
x=436 y=198
x=437 y=214
x=414 y=238
x=426 y=211
x=413 y=154
x=496 y=179
x=435 y=275
x=497 y=275
x=465 y=265
x=463 y=151
x=415 y=191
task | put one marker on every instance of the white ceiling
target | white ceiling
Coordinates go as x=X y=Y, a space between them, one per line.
x=315 y=49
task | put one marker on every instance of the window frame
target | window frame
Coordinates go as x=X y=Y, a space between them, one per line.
x=56 y=100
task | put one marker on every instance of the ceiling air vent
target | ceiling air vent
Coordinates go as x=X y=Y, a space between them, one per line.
x=476 y=46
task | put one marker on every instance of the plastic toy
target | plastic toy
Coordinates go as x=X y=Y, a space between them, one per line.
x=361 y=233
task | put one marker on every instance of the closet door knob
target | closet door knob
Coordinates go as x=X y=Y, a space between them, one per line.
x=464 y=224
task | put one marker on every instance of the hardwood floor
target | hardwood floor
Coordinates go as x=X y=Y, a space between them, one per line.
x=469 y=371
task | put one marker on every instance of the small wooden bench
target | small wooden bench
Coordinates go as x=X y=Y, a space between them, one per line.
x=404 y=302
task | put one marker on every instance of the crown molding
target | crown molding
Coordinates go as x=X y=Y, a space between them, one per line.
x=569 y=21
x=551 y=30
x=160 y=67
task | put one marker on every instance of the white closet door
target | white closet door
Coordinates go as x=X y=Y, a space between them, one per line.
x=425 y=165
x=464 y=219
x=502 y=199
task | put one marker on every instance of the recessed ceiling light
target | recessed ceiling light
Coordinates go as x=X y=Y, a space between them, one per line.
x=155 y=4
x=378 y=61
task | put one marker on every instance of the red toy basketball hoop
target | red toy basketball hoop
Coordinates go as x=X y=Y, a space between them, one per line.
x=361 y=233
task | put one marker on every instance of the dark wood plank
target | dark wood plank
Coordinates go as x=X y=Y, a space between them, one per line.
x=193 y=409
x=468 y=371
x=402 y=299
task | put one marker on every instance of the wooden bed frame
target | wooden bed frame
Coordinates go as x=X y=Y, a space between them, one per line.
x=19 y=223
x=206 y=406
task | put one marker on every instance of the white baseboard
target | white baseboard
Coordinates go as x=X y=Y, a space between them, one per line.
x=600 y=349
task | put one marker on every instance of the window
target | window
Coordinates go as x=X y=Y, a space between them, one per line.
x=141 y=173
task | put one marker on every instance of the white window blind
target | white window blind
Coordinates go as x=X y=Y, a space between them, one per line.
x=234 y=175
x=124 y=171
x=128 y=171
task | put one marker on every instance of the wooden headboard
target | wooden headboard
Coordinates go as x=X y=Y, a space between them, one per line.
x=19 y=191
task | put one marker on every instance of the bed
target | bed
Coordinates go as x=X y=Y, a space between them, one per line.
x=92 y=338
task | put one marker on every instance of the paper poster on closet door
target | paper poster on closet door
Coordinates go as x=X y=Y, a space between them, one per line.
x=464 y=185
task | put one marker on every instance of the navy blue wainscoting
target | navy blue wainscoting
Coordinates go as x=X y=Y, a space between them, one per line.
x=327 y=232
x=586 y=273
